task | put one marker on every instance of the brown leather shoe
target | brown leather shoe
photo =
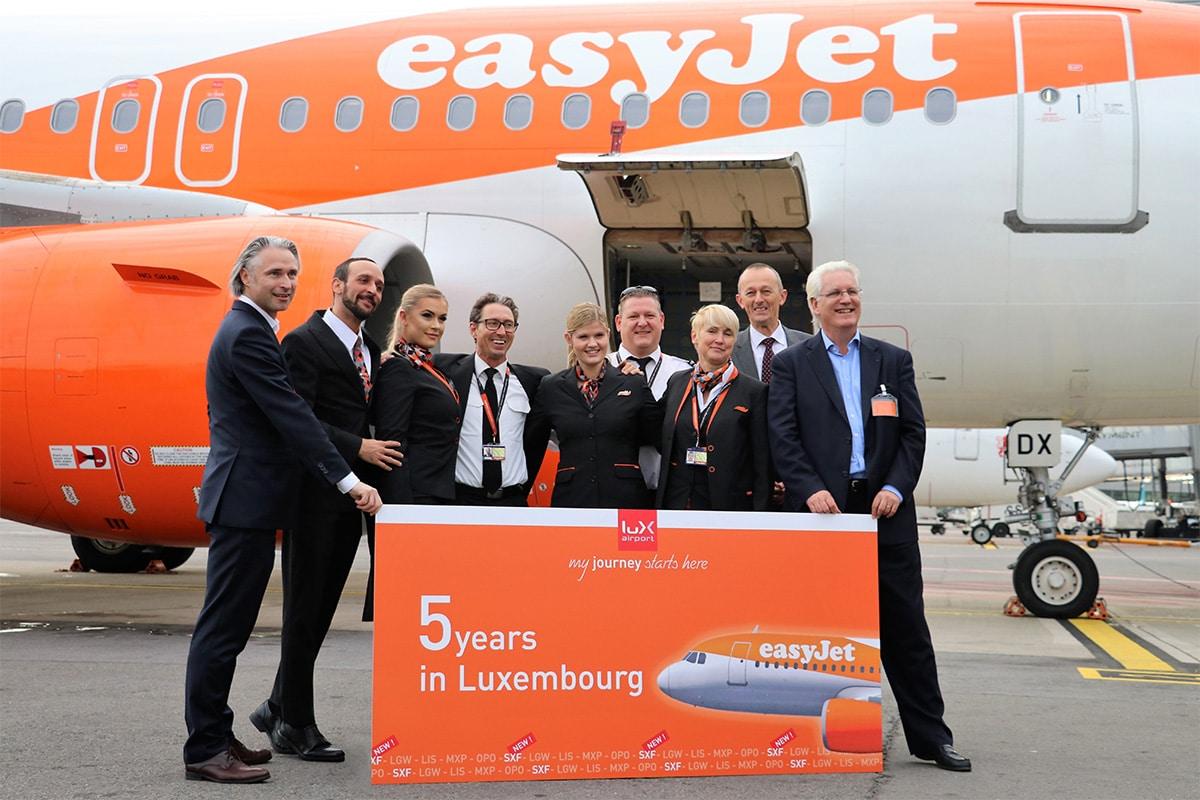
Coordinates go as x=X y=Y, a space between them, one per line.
x=247 y=756
x=225 y=768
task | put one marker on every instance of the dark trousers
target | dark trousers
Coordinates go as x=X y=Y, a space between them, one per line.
x=239 y=567
x=472 y=496
x=905 y=645
x=316 y=561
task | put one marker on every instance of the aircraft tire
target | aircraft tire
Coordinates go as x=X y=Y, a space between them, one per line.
x=1001 y=530
x=106 y=555
x=1056 y=579
x=981 y=534
x=174 y=557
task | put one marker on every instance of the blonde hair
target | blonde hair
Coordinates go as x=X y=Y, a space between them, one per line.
x=582 y=314
x=408 y=301
x=715 y=313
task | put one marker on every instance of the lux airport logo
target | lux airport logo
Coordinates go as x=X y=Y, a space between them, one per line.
x=637 y=529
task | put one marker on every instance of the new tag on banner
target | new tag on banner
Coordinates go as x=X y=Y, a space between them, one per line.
x=522 y=644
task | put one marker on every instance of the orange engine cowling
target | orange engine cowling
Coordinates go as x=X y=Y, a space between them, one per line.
x=104 y=333
x=852 y=726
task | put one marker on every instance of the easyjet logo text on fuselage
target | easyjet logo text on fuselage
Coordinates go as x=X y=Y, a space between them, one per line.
x=834 y=54
x=825 y=650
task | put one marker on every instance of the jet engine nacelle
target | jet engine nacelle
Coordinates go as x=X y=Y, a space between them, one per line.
x=104 y=333
x=852 y=726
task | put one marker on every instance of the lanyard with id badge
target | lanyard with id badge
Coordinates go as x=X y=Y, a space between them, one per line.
x=885 y=404
x=493 y=451
x=697 y=456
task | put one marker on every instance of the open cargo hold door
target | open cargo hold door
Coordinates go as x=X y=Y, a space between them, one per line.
x=688 y=224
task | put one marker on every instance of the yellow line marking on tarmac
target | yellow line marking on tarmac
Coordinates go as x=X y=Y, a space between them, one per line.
x=1140 y=676
x=1129 y=653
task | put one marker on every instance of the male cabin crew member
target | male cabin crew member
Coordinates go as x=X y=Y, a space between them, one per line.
x=640 y=322
x=848 y=435
x=262 y=437
x=761 y=294
x=332 y=362
x=499 y=451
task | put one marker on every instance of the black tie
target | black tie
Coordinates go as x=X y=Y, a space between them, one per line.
x=643 y=364
x=492 y=471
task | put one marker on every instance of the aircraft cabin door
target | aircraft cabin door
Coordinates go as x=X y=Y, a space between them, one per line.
x=688 y=223
x=1077 y=122
x=210 y=129
x=123 y=129
x=739 y=656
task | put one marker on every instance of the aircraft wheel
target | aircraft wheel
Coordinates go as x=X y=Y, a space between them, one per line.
x=981 y=534
x=1056 y=579
x=1000 y=530
x=937 y=529
x=106 y=555
x=173 y=557
x=1153 y=529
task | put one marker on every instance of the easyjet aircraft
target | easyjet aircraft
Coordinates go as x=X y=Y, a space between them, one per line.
x=796 y=674
x=1016 y=180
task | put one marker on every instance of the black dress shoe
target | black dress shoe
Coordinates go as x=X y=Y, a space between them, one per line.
x=947 y=757
x=224 y=768
x=306 y=742
x=264 y=718
x=246 y=755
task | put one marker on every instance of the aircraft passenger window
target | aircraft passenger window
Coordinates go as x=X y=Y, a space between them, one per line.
x=125 y=115
x=12 y=113
x=754 y=109
x=940 y=106
x=293 y=114
x=877 y=106
x=64 y=116
x=348 y=115
x=815 y=107
x=795 y=665
x=635 y=109
x=701 y=658
x=211 y=115
x=460 y=114
x=518 y=112
x=872 y=670
x=576 y=111
x=405 y=112
x=824 y=668
x=693 y=109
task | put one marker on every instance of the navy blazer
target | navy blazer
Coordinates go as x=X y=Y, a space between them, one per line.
x=810 y=433
x=262 y=435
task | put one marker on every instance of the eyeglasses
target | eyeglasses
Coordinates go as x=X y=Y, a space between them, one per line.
x=497 y=324
x=834 y=295
x=637 y=290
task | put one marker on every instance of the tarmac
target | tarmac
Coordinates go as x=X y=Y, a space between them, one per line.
x=91 y=688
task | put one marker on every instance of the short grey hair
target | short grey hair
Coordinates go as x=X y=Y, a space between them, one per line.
x=812 y=286
x=250 y=257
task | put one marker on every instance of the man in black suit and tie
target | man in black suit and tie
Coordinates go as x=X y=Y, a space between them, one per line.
x=760 y=295
x=332 y=362
x=499 y=450
x=848 y=435
x=263 y=437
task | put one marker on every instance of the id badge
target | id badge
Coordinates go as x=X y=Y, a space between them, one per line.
x=493 y=452
x=697 y=456
x=884 y=404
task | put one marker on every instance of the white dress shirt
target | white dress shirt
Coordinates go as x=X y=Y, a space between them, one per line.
x=513 y=469
x=348 y=338
x=758 y=345
x=667 y=365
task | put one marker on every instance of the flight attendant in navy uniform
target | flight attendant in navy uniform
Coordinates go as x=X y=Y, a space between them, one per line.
x=714 y=451
x=601 y=417
x=416 y=405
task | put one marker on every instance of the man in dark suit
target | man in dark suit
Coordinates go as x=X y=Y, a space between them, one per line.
x=499 y=451
x=848 y=435
x=332 y=362
x=263 y=437
x=760 y=295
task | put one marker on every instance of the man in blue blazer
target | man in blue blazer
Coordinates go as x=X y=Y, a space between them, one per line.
x=848 y=435
x=262 y=438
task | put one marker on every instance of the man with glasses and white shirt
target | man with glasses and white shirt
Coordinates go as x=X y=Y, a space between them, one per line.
x=761 y=294
x=499 y=452
x=640 y=321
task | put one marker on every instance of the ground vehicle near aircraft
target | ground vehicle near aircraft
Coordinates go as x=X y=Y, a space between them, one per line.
x=1010 y=177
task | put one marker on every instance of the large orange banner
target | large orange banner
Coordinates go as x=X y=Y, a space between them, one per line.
x=520 y=644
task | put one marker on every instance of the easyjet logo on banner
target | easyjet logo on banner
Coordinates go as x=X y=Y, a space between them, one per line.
x=637 y=529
